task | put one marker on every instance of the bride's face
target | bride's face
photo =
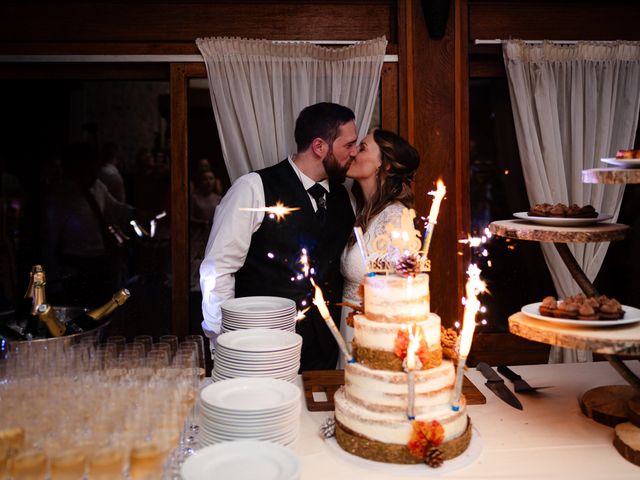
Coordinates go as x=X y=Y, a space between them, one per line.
x=366 y=163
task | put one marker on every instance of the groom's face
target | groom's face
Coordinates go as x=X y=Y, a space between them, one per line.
x=341 y=152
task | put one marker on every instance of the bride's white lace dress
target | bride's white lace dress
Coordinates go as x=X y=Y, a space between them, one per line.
x=353 y=268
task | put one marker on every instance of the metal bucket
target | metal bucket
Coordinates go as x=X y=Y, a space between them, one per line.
x=64 y=314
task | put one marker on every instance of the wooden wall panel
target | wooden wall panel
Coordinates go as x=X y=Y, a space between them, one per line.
x=171 y=26
x=554 y=20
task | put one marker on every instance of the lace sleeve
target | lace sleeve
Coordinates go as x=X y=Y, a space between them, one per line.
x=391 y=214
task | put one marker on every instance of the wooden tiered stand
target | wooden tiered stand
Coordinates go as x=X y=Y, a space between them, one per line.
x=613 y=405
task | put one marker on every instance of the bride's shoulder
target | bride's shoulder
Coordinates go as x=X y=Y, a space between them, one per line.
x=392 y=211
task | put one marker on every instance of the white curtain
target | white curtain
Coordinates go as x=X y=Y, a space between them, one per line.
x=258 y=88
x=572 y=105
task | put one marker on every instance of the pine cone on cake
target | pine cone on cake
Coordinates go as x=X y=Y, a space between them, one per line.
x=408 y=266
x=328 y=427
x=449 y=343
x=434 y=457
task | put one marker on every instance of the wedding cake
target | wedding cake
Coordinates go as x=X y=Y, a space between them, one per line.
x=374 y=418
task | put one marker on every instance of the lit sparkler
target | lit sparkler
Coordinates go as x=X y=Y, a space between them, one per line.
x=318 y=301
x=472 y=305
x=279 y=211
x=432 y=220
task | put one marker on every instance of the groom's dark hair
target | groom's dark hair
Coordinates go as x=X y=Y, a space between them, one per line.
x=321 y=120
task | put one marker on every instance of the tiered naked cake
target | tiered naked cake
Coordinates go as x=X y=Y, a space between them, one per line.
x=372 y=409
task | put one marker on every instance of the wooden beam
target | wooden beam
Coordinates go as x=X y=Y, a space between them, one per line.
x=172 y=27
x=389 y=89
x=461 y=129
x=179 y=214
x=432 y=121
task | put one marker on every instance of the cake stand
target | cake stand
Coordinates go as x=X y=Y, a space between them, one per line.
x=608 y=404
x=611 y=176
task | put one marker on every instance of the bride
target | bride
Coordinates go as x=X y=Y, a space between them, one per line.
x=382 y=171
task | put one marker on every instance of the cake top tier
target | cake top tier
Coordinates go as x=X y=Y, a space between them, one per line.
x=399 y=249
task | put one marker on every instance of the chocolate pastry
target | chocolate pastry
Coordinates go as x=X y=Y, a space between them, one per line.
x=558 y=210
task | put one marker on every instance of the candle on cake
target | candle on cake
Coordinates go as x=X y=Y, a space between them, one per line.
x=362 y=246
x=432 y=220
x=412 y=363
x=318 y=301
x=473 y=288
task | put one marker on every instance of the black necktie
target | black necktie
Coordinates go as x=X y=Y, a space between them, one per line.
x=318 y=192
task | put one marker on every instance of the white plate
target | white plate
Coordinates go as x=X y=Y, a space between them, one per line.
x=622 y=162
x=563 y=221
x=259 y=340
x=465 y=459
x=250 y=394
x=243 y=460
x=632 y=315
x=259 y=305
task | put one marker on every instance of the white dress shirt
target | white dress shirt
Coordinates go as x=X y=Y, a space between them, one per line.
x=229 y=243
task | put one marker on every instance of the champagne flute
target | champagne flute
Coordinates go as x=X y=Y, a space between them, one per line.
x=30 y=464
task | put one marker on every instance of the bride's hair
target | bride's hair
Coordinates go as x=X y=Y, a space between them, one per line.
x=399 y=164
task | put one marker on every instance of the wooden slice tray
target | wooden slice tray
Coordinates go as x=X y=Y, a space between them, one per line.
x=327 y=382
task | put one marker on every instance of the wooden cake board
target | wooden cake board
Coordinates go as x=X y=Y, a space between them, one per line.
x=327 y=382
x=608 y=405
x=617 y=406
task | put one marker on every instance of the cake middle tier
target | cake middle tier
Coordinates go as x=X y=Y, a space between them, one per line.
x=374 y=342
x=385 y=391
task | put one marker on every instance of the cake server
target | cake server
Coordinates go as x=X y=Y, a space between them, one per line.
x=497 y=386
x=519 y=385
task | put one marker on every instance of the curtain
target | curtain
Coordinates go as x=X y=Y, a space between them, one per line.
x=259 y=87
x=572 y=105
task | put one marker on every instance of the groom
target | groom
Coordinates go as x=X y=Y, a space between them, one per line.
x=250 y=253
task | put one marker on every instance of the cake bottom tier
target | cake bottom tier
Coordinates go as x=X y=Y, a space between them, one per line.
x=364 y=447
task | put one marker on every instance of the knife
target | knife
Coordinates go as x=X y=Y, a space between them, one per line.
x=519 y=385
x=497 y=386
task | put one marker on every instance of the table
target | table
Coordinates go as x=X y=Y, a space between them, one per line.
x=549 y=439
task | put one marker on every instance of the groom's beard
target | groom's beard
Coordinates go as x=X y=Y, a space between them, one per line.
x=336 y=172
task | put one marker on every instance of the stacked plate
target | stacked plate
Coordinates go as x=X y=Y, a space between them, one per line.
x=257 y=352
x=242 y=460
x=250 y=409
x=258 y=312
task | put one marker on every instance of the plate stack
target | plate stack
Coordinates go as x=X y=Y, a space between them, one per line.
x=257 y=352
x=258 y=312
x=250 y=409
x=243 y=460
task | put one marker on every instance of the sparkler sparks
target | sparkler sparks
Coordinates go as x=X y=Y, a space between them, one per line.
x=472 y=305
x=279 y=211
x=304 y=261
x=301 y=314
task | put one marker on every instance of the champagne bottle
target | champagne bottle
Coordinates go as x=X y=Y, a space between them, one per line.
x=93 y=318
x=56 y=328
x=33 y=297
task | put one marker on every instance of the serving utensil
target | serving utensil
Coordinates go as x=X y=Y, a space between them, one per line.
x=519 y=385
x=497 y=386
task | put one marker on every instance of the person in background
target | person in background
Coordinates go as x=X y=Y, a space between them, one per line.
x=382 y=172
x=204 y=198
x=82 y=258
x=109 y=172
x=250 y=253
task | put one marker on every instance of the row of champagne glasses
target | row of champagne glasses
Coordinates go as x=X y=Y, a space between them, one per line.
x=96 y=411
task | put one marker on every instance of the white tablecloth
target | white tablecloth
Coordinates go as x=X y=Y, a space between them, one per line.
x=550 y=438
